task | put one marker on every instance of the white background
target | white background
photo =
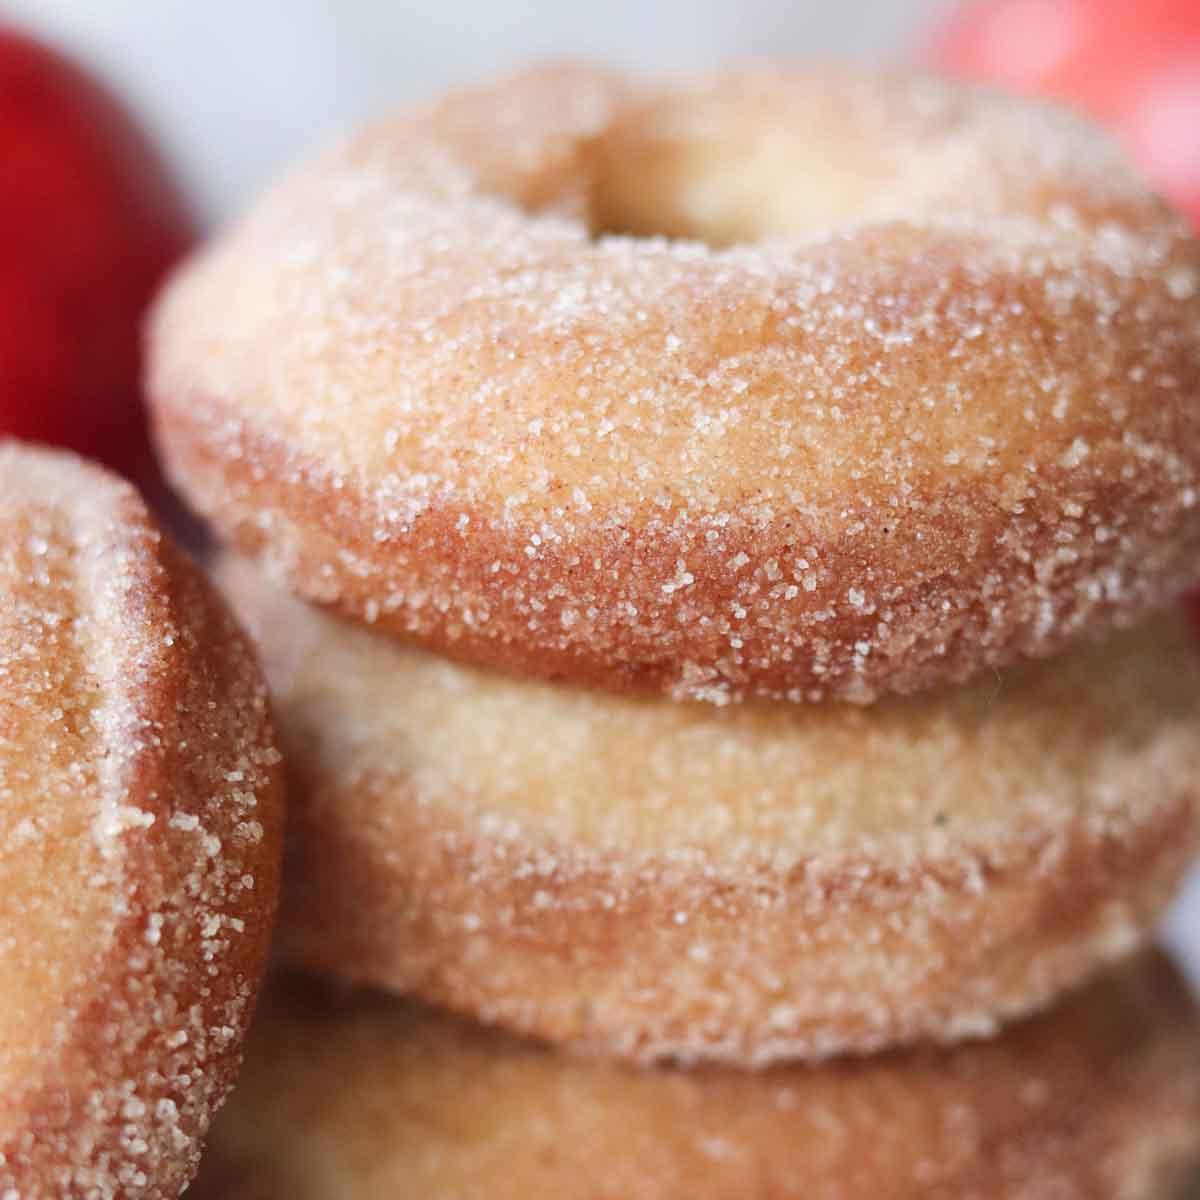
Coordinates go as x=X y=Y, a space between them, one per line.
x=235 y=88
x=238 y=86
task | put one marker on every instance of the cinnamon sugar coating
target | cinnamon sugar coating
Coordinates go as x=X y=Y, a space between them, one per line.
x=140 y=838
x=876 y=381
x=655 y=879
x=364 y=1098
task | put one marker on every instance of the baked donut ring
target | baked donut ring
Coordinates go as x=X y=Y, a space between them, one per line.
x=924 y=404
x=364 y=1098
x=140 y=840
x=655 y=879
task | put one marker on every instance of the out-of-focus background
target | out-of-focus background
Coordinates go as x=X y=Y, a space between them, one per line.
x=236 y=87
x=231 y=90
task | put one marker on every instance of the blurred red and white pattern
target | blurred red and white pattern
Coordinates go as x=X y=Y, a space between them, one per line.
x=237 y=87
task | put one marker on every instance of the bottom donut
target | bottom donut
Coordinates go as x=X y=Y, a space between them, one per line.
x=363 y=1097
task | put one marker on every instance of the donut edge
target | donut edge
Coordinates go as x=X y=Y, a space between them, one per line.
x=680 y=957
x=319 y=532
x=1118 y=1067
x=88 y=1143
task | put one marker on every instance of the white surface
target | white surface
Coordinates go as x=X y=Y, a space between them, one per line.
x=235 y=88
x=1183 y=928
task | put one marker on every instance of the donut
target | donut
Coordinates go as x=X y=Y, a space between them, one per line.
x=140 y=840
x=782 y=383
x=365 y=1098
x=654 y=879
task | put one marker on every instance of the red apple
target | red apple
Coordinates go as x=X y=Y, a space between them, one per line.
x=89 y=222
x=1134 y=65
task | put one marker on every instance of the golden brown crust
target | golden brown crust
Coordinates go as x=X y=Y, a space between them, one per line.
x=140 y=839
x=364 y=1098
x=657 y=879
x=950 y=429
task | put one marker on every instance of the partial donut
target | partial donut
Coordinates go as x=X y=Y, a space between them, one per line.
x=364 y=1098
x=140 y=840
x=908 y=389
x=655 y=879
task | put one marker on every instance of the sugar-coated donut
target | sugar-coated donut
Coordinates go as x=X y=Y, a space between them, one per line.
x=932 y=410
x=659 y=879
x=140 y=840
x=363 y=1098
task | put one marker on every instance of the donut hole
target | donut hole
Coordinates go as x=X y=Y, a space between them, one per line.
x=721 y=191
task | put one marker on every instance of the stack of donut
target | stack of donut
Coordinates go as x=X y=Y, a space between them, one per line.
x=749 y=514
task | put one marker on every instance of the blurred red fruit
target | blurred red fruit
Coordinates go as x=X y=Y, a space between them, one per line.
x=1134 y=65
x=89 y=222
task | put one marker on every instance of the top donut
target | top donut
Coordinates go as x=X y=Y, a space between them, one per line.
x=802 y=383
